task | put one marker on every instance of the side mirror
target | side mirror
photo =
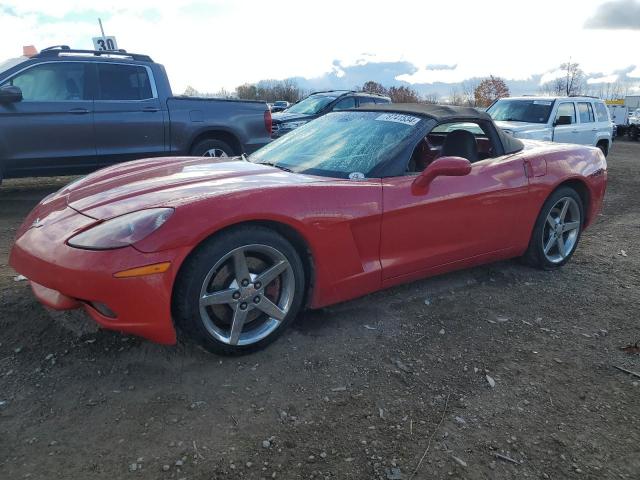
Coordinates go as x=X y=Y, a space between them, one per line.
x=442 y=167
x=563 y=120
x=10 y=94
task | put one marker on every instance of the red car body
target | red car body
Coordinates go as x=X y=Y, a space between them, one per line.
x=361 y=236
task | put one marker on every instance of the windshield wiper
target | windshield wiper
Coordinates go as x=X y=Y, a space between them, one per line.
x=284 y=169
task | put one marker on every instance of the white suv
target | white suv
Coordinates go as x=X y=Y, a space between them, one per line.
x=582 y=120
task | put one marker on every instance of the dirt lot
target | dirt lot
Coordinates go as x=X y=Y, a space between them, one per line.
x=365 y=390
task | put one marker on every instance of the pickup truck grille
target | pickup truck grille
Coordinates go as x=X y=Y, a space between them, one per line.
x=275 y=127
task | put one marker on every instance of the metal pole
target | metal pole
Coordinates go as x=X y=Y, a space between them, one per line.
x=102 y=30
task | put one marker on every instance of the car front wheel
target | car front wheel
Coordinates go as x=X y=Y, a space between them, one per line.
x=557 y=230
x=239 y=290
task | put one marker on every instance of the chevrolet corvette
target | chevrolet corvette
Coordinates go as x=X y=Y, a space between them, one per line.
x=227 y=252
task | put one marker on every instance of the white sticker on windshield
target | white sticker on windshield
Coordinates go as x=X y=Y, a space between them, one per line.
x=541 y=102
x=356 y=176
x=398 y=118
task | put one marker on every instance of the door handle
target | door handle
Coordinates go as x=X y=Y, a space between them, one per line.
x=594 y=129
x=150 y=109
x=79 y=111
x=574 y=131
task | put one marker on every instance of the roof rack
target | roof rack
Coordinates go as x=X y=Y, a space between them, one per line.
x=585 y=96
x=62 y=50
x=332 y=91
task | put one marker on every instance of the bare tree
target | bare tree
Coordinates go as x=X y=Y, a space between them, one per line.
x=403 y=95
x=489 y=90
x=374 y=87
x=468 y=92
x=455 y=97
x=571 y=82
x=191 y=92
x=247 y=91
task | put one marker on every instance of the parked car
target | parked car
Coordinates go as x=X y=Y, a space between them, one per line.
x=580 y=120
x=320 y=103
x=67 y=111
x=633 y=130
x=279 y=106
x=229 y=251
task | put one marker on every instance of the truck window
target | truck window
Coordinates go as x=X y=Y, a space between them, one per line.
x=345 y=103
x=567 y=109
x=603 y=113
x=123 y=82
x=51 y=82
x=586 y=112
x=365 y=101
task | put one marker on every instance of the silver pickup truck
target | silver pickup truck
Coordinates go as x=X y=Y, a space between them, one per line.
x=67 y=111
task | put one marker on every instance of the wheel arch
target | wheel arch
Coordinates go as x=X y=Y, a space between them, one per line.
x=581 y=188
x=218 y=134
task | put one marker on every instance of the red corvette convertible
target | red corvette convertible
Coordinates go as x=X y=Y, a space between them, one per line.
x=227 y=251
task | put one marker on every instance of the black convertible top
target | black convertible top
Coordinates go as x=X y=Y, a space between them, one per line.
x=437 y=112
x=445 y=113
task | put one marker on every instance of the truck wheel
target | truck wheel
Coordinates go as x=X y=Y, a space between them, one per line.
x=632 y=132
x=603 y=147
x=212 y=148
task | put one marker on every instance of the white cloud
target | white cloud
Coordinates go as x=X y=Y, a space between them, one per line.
x=211 y=44
x=603 y=79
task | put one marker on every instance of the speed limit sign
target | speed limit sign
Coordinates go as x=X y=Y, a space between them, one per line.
x=103 y=44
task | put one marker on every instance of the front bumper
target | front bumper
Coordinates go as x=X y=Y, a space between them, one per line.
x=63 y=277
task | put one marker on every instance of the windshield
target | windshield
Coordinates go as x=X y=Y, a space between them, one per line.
x=280 y=104
x=12 y=62
x=311 y=105
x=341 y=144
x=530 y=111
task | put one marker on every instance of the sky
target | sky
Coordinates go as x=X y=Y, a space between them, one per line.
x=213 y=44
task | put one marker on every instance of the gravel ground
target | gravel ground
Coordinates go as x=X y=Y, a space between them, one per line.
x=497 y=372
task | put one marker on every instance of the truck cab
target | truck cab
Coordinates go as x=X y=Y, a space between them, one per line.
x=579 y=120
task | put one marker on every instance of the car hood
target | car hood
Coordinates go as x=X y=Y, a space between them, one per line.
x=285 y=116
x=520 y=126
x=170 y=182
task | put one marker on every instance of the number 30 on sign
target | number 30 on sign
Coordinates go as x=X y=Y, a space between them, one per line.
x=105 y=43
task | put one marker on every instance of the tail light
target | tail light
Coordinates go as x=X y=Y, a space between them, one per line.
x=267 y=121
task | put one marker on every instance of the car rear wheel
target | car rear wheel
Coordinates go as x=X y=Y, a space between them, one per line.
x=212 y=148
x=239 y=290
x=557 y=230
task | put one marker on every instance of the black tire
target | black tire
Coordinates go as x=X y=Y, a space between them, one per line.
x=201 y=148
x=632 y=132
x=194 y=273
x=603 y=146
x=535 y=255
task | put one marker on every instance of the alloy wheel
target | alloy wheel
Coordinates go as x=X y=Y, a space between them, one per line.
x=561 y=230
x=247 y=294
x=215 y=152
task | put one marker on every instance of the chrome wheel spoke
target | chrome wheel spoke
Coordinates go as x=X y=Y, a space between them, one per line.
x=239 y=317
x=551 y=221
x=218 y=298
x=569 y=226
x=561 y=246
x=270 y=308
x=550 y=243
x=563 y=211
x=269 y=275
x=240 y=267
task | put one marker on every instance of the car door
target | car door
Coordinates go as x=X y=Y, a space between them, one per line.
x=51 y=129
x=458 y=218
x=587 y=129
x=566 y=133
x=129 y=120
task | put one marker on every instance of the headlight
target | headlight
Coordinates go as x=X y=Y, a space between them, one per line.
x=292 y=125
x=121 y=231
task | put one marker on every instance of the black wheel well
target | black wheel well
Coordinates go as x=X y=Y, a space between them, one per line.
x=292 y=236
x=583 y=192
x=222 y=135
